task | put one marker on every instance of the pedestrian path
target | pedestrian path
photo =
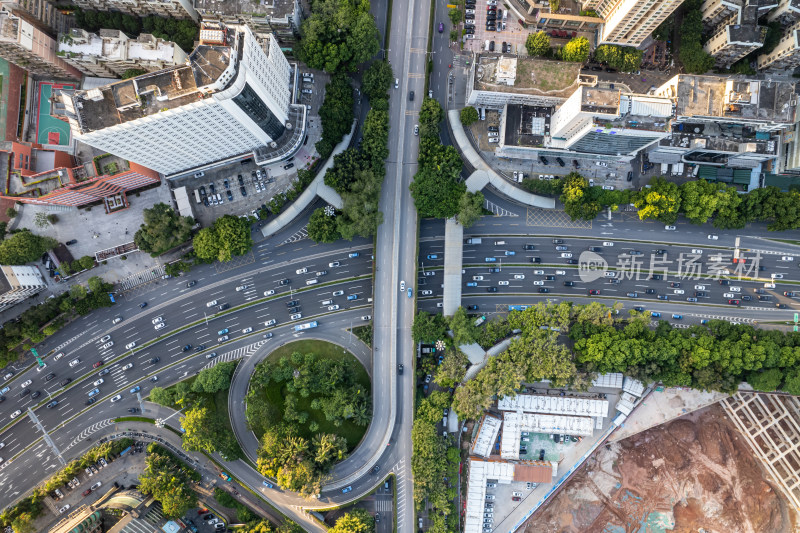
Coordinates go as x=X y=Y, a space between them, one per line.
x=238 y=353
x=299 y=235
x=140 y=278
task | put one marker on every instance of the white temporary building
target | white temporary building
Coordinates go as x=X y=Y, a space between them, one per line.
x=487 y=436
x=557 y=405
x=480 y=473
x=516 y=423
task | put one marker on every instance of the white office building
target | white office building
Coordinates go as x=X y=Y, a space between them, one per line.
x=18 y=283
x=231 y=101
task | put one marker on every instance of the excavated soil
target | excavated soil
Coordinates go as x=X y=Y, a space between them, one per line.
x=695 y=473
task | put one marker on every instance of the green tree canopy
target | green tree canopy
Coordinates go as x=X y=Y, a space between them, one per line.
x=228 y=237
x=469 y=115
x=435 y=195
x=163 y=229
x=430 y=115
x=470 y=208
x=336 y=112
x=341 y=174
x=537 y=44
x=377 y=80
x=662 y=201
x=624 y=58
x=23 y=247
x=463 y=327
x=356 y=521
x=577 y=49
x=168 y=481
x=214 y=379
x=322 y=227
x=428 y=327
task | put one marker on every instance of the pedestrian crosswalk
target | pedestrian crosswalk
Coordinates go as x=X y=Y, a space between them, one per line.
x=497 y=210
x=238 y=353
x=86 y=432
x=142 y=277
x=299 y=235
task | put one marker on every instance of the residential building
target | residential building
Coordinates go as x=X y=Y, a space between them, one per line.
x=31 y=48
x=281 y=18
x=786 y=55
x=734 y=29
x=530 y=12
x=18 y=283
x=109 y=53
x=230 y=102
x=629 y=22
x=176 y=9
x=724 y=121
x=787 y=12
x=53 y=19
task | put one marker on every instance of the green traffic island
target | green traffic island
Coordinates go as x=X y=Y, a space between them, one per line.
x=363 y=333
x=204 y=401
x=309 y=404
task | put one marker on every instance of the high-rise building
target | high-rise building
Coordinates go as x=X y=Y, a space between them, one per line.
x=786 y=55
x=734 y=29
x=786 y=13
x=629 y=22
x=31 y=48
x=231 y=101
x=109 y=53
x=176 y=9
x=18 y=283
x=54 y=20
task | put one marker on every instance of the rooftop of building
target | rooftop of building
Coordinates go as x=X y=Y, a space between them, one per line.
x=275 y=9
x=748 y=32
x=718 y=138
x=732 y=98
x=9 y=26
x=532 y=76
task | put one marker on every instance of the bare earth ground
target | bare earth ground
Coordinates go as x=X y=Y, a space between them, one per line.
x=695 y=473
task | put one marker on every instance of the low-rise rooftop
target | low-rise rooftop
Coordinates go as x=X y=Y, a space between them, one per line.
x=274 y=9
x=530 y=76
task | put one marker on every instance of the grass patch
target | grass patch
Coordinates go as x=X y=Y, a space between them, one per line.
x=546 y=75
x=135 y=419
x=275 y=395
x=364 y=334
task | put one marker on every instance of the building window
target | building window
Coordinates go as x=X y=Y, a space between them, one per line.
x=258 y=111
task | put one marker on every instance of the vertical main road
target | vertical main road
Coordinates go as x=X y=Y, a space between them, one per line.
x=396 y=243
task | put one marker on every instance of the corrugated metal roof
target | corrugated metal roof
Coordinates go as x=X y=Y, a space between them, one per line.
x=651 y=107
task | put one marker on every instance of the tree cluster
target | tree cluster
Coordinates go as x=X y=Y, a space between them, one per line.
x=700 y=201
x=23 y=247
x=163 y=229
x=623 y=58
x=181 y=32
x=228 y=237
x=356 y=521
x=169 y=481
x=469 y=115
x=584 y=202
x=538 y=44
x=338 y=36
x=691 y=54
x=336 y=114
x=577 y=50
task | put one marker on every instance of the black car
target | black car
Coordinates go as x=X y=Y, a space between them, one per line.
x=560 y=162
x=229 y=194
x=701 y=294
x=285 y=281
x=49 y=376
x=224 y=307
x=212 y=188
x=610 y=70
x=292 y=303
x=746 y=297
x=536 y=259
x=544 y=160
x=226 y=184
x=575 y=163
x=639 y=308
x=71 y=242
x=132 y=409
x=780 y=306
x=143 y=304
x=24 y=393
x=65 y=382
x=572 y=261
x=241 y=180
x=472 y=308
x=469 y=16
x=597 y=249
x=288 y=166
x=569 y=283
x=400 y=368
x=191 y=283
x=36 y=394
x=529 y=247
x=657 y=277
x=243 y=191
x=491 y=289
x=724 y=282
x=90 y=401
x=294 y=310
x=375 y=469
x=411 y=96
x=650 y=291
x=200 y=348
x=541 y=454
x=187 y=347
x=630 y=175
x=549 y=278
x=544 y=289
x=2 y=399
x=468 y=30
x=558 y=241
x=155 y=360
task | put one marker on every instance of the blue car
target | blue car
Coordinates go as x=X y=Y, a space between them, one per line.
x=510 y=252
x=653 y=313
x=268 y=485
x=704 y=321
x=222 y=331
x=352 y=297
x=676 y=316
x=346 y=490
x=472 y=284
x=410 y=292
x=352 y=255
x=491 y=259
x=136 y=389
x=433 y=256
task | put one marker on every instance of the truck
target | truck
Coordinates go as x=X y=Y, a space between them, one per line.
x=473 y=240
x=307 y=325
x=225 y=476
x=517 y=307
x=480 y=320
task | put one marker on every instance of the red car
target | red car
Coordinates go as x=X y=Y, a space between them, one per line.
x=87 y=492
x=516 y=499
x=734 y=302
x=97 y=364
x=594 y=291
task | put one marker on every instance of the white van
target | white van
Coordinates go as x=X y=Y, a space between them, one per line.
x=486 y=46
x=312 y=281
x=327 y=302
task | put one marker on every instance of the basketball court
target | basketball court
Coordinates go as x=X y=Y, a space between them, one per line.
x=50 y=130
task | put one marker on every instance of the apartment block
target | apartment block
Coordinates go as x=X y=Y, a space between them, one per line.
x=280 y=18
x=231 y=101
x=734 y=29
x=629 y=22
x=787 y=12
x=18 y=283
x=53 y=20
x=109 y=53
x=176 y=9
x=786 y=55
x=31 y=48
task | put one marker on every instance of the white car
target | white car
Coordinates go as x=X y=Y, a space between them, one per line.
x=566 y=255
x=161 y=325
x=296 y=316
x=366 y=317
x=519 y=276
x=561 y=272
x=107 y=345
x=502 y=283
x=98 y=382
x=105 y=338
x=117 y=320
x=729 y=295
x=128 y=366
x=158 y=319
x=539 y=272
x=697 y=251
x=713 y=237
x=212 y=303
x=269 y=292
x=608 y=187
x=130 y=345
x=301 y=270
x=15 y=414
x=601 y=163
x=670 y=228
x=474 y=278
x=337 y=293
x=58 y=356
x=74 y=362
x=116 y=398
x=223 y=338
x=735 y=289
x=333 y=308
x=610 y=274
x=26 y=383
x=63 y=509
x=334 y=264
x=538 y=282
x=776 y=276
x=608 y=243
x=678 y=291
x=426 y=292
x=270 y=322
x=402 y=286
x=787 y=258
x=96 y=485
x=240 y=288
x=247 y=330
x=699 y=287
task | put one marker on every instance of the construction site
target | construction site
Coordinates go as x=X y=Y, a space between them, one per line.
x=729 y=467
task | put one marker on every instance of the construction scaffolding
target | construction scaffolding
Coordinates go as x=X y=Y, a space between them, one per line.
x=771 y=425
